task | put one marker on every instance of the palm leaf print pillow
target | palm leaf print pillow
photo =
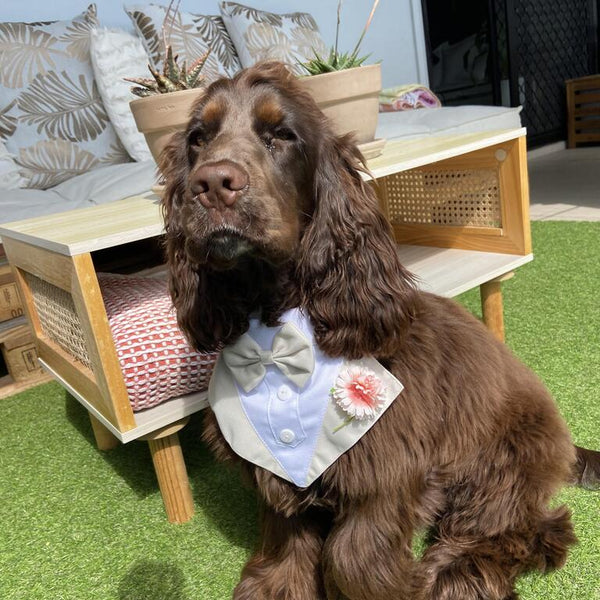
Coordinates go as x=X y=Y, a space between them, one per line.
x=52 y=120
x=189 y=34
x=260 y=35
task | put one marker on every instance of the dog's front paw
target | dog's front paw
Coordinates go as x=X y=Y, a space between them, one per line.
x=465 y=577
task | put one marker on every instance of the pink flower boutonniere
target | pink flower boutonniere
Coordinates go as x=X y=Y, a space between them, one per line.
x=359 y=392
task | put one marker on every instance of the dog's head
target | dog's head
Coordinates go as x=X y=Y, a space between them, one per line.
x=261 y=191
x=246 y=157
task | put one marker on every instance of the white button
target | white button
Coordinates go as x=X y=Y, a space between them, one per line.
x=287 y=436
x=284 y=393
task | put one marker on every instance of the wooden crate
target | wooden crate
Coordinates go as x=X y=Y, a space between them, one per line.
x=583 y=110
x=18 y=349
x=10 y=301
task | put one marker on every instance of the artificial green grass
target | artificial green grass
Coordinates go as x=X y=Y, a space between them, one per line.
x=79 y=524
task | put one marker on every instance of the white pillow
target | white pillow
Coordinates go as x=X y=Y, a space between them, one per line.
x=10 y=176
x=117 y=54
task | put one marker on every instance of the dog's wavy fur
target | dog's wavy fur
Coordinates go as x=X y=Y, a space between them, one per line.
x=473 y=449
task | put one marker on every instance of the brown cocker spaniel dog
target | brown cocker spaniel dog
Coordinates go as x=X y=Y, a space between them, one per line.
x=265 y=210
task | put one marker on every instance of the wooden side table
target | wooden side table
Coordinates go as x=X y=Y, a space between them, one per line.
x=52 y=260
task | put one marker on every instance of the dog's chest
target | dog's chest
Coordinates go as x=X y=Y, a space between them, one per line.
x=284 y=406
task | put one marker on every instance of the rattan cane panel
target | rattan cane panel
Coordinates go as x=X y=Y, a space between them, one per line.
x=58 y=317
x=445 y=197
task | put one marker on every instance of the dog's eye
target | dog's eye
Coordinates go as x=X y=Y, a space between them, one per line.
x=279 y=133
x=284 y=133
x=197 y=137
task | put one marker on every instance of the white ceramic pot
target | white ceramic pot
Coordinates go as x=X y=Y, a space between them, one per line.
x=350 y=98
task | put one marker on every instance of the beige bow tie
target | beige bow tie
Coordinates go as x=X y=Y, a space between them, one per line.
x=291 y=353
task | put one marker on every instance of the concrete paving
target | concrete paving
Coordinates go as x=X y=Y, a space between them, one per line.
x=564 y=185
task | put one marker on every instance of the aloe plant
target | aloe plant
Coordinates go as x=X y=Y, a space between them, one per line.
x=173 y=77
x=335 y=60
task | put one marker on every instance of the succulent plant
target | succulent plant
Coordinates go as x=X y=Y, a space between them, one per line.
x=173 y=77
x=337 y=61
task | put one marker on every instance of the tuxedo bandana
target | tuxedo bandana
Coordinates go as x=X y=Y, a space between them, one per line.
x=286 y=407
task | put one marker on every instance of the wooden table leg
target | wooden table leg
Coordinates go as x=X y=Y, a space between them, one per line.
x=171 y=472
x=105 y=440
x=491 y=304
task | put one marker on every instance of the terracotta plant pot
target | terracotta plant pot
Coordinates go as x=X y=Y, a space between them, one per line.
x=158 y=117
x=350 y=98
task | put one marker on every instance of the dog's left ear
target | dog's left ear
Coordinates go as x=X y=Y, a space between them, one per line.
x=360 y=298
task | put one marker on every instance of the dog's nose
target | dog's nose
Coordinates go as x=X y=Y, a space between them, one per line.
x=219 y=182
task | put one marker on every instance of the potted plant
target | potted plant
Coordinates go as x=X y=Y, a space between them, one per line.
x=348 y=91
x=165 y=99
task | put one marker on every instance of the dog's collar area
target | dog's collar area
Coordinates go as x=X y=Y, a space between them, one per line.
x=297 y=420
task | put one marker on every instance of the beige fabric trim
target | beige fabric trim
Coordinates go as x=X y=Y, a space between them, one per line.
x=235 y=425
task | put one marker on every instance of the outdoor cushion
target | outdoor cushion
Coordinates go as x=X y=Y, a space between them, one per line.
x=52 y=119
x=156 y=360
x=261 y=35
x=99 y=186
x=108 y=47
x=10 y=176
x=190 y=35
x=447 y=120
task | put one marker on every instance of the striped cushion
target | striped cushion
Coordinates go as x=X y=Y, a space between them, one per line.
x=156 y=360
